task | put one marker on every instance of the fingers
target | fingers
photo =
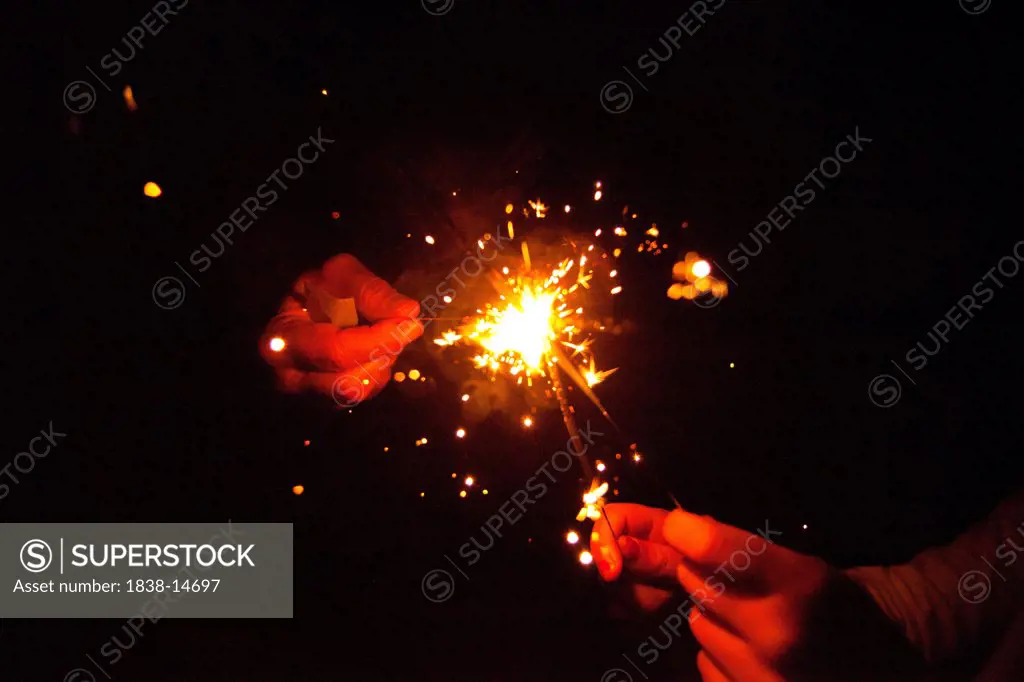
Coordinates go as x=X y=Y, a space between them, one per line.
x=648 y=561
x=345 y=276
x=709 y=672
x=728 y=654
x=706 y=544
x=617 y=521
x=320 y=347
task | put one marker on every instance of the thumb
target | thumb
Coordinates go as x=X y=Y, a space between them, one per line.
x=704 y=541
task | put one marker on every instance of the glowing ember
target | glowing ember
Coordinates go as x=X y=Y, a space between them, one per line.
x=462 y=493
x=591 y=501
x=152 y=190
x=428 y=239
x=527 y=422
x=616 y=290
x=617 y=252
x=414 y=374
x=298 y=489
x=306 y=443
x=568 y=208
x=586 y=558
x=399 y=377
x=600 y=466
x=335 y=215
x=324 y=92
x=460 y=433
x=484 y=491
x=620 y=231
x=509 y=208
x=277 y=344
x=637 y=457
x=597 y=195
x=470 y=481
x=653 y=231
x=539 y=207
x=465 y=397
x=700 y=269
x=572 y=537
x=129 y=98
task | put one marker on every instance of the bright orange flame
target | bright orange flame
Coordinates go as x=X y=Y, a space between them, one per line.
x=152 y=190
x=277 y=344
x=701 y=269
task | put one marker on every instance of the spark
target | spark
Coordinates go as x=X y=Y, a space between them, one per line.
x=617 y=252
x=597 y=195
x=595 y=377
x=460 y=433
x=305 y=443
x=129 y=98
x=484 y=491
x=335 y=215
x=732 y=365
x=470 y=481
x=597 y=185
x=324 y=92
x=539 y=207
x=568 y=208
x=572 y=537
x=277 y=344
x=414 y=374
x=653 y=231
x=616 y=290
x=620 y=231
x=586 y=558
x=429 y=239
x=600 y=466
x=152 y=190
x=700 y=269
x=591 y=499
x=462 y=493
x=399 y=377
x=465 y=397
x=509 y=208
x=298 y=489
x=527 y=422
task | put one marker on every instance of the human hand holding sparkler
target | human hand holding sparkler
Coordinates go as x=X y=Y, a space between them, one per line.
x=315 y=342
x=760 y=612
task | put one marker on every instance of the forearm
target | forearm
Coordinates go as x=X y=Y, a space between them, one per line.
x=947 y=599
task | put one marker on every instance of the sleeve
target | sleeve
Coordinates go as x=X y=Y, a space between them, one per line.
x=951 y=600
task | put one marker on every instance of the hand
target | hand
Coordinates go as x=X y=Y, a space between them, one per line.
x=350 y=365
x=760 y=612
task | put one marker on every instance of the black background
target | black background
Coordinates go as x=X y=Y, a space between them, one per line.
x=172 y=416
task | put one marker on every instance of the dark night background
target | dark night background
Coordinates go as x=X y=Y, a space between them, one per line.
x=173 y=416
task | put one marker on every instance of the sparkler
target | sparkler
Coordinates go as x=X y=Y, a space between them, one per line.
x=525 y=336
